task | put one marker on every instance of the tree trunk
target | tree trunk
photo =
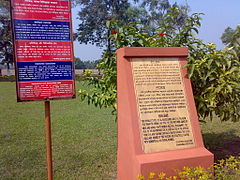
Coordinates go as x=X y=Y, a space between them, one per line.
x=8 y=69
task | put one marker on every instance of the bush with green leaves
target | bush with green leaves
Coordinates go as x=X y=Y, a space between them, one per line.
x=7 y=78
x=215 y=73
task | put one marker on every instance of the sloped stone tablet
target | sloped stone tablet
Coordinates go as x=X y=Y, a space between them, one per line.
x=161 y=103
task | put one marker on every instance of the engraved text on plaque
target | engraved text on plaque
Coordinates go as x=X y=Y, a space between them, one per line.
x=162 y=105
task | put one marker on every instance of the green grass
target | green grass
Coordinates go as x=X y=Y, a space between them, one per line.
x=84 y=139
x=222 y=138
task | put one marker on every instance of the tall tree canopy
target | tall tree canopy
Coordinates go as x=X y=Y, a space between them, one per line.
x=94 y=14
x=156 y=9
x=231 y=38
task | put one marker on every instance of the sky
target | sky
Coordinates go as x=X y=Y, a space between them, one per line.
x=219 y=14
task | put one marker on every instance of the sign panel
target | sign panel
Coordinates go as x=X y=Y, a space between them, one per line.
x=162 y=105
x=43 y=49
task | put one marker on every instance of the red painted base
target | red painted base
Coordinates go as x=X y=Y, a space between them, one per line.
x=131 y=160
x=169 y=162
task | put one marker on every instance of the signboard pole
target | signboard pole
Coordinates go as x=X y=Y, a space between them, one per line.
x=48 y=140
x=43 y=54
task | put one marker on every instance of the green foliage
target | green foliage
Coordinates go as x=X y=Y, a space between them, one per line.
x=94 y=14
x=7 y=78
x=227 y=35
x=231 y=37
x=215 y=74
x=215 y=80
x=103 y=93
x=157 y=9
x=6 y=50
x=197 y=173
x=228 y=169
x=85 y=76
x=79 y=64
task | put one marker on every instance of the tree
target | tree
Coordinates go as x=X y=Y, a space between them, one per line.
x=79 y=64
x=231 y=38
x=6 y=48
x=94 y=14
x=227 y=36
x=90 y=64
x=156 y=9
x=215 y=74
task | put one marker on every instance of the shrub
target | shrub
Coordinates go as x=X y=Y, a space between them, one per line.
x=85 y=77
x=215 y=74
x=228 y=169
x=7 y=78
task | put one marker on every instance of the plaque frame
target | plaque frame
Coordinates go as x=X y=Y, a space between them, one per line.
x=131 y=159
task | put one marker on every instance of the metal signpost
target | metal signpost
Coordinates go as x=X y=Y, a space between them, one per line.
x=43 y=52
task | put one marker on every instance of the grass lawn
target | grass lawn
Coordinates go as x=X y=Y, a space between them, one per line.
x=222 y=138
x=84 y=139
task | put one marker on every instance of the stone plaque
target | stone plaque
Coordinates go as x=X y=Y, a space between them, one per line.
x=162 y=106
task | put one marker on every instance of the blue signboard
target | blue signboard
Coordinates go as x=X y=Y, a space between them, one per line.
x=43 y=71
x=41 y=30
x=43 y=49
